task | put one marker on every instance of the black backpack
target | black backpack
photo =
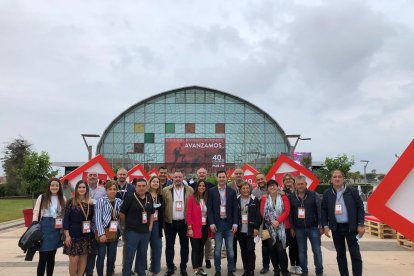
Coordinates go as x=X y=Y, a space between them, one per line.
x=32 y=238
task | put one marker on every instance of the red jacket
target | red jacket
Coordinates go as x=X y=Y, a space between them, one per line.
x=193 y=216
x=284 y=217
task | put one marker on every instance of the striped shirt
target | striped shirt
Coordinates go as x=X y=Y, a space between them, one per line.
x=103 y=213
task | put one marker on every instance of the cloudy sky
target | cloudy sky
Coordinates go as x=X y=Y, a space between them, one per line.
x=340 y=72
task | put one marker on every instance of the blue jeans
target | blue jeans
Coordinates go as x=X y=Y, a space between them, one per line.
x=156 y=246
x=136 y=242
x=106 y=249
x=313 y=233
x=223 y=232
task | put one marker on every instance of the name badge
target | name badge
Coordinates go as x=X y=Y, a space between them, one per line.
x=86 y=226
x=203 y=220
x=179 y=206
x=338 y=209
x=244 y=218
x=222 y=211
x=113 y=226
x=156 y=215
x=144 y=217
x=301 y=212
x=58 y=223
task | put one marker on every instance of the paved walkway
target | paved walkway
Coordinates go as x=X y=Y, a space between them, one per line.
x=381 y=257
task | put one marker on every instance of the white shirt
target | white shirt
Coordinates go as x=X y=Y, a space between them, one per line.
x=178 y=195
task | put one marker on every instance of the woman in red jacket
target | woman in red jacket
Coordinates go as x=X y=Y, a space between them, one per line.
x=275 y=208
x=196 y=217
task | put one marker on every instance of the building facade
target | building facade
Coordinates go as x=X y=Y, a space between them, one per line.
x=191 y=127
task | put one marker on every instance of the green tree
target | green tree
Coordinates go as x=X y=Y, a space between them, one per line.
x=36 y=172
x=306 y=162
x=380 y=176
x=340 y=162
x=355 y=176
x=13 y=161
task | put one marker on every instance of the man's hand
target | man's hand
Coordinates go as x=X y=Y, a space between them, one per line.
x=234 y=229
x=361 y=231
x=292 y=232
x=213 y=228
x=326 y=231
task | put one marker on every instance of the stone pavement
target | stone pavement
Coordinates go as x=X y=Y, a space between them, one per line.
x=381 y=257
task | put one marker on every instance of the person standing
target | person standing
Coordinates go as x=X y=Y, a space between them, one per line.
x=197 y=229
x=208 y=247
x=275 y=209
x=223 y=220
x=95 y=192
x=175 y=202
x=137 y=216
x=289 y=189
x=51 y=207
x=236 y=185
x=77 y=225
x=249 y=221
x=67 y=189
x=107 y=220
x=342 y=211
x=154 y=190
x=258 y=192
x=163 y=176
x=305 y=209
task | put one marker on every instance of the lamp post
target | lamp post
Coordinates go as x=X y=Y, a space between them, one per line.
x=89 y=147
x=365 y=169
x=298 y=137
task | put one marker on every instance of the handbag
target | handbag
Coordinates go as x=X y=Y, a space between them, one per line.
x=110 y=235
x=265 y=234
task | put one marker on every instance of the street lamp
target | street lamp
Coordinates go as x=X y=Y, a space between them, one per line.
x=292 y=148
x=365 y=169
x=88 y=147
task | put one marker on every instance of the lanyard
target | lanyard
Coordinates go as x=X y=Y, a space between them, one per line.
x=155 y=199
x=83 y=211
x=179 y=193
x=338 y=199
x=142 y=206
x=113 y=209
x=122 y=191
x=245 y=204
x=300 y=200
x=203 y=206
x=222 y=199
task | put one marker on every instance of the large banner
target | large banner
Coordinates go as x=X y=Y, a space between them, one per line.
x=201 y=151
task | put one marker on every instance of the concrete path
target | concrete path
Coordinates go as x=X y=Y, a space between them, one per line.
x=381 y=257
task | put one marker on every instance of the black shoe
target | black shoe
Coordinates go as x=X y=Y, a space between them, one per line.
x=230 y=273
x=183 y=272
x=217 y=273
x=304 y=274
x=169 y=272
x=264 y=270
x=201 y=272
x=208 y=264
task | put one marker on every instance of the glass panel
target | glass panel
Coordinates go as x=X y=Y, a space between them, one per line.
x=139 y=117
x=149 y=128
x=220 y=128
x=219 y=98
x=129 y=138
x=179 y=97
x=170 y=98
x=119 y=126
x=150 y=118
x=189 y=128
x=234 y=118
x=130 y=117
x=169 y=128
x=139 y=127
x=109 y=138
x=235 y=128
x=200 y=118
x=159 y=128
x=190 y=108
x=138 y=148
x=140 y=109
x=149 y=138
x=118 y=137
x=179 y=128
x=108 y=148
x=159 y=108
x=190 y=97
x=199 y=97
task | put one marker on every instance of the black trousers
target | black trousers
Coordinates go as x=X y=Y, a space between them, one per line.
x=90 y=264
x=197 y=248
x=247 y=247
x=293 y=249
x=278 y=255
x=171 y=230
x=339 y=236
x=46 y=262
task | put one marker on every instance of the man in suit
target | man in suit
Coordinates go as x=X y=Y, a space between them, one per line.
x=342 y=211
x=175 y=201
x=223 y=220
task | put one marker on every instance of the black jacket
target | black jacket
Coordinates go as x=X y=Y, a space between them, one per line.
x=354 y=206
x=213 y=207
x=312 y=205
x=253 y=215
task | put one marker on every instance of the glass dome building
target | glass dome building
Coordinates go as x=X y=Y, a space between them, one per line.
x=191 y=127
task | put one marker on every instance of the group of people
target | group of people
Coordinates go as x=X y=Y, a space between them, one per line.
x=90 y=225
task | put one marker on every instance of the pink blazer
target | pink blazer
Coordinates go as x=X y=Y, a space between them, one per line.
x=193 y=216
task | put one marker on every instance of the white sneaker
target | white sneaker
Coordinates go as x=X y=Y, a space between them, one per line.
x=298 y=270
x=293 y=269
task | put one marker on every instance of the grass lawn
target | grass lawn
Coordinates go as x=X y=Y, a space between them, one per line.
x=11 y=209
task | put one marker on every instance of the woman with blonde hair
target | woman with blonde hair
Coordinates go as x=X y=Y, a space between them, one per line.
x=77 y=225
